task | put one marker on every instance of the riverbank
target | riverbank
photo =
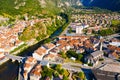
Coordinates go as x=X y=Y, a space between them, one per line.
x=28 y=45
x=10 y=69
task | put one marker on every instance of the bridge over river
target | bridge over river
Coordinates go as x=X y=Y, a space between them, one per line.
x=14 y=58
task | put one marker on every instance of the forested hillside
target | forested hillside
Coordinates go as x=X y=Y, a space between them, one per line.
x=113 y=5
x=51 y=16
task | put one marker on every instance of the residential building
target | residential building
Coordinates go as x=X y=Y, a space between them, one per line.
x=94 y=57
x=79 y=29
x=48 y=46
x=2 y=55
x=44 y=63
x=39 y=53
x=35 y=73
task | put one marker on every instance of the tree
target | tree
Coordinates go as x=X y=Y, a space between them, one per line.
x=58 y=67
x=79 y=57
x=47 y=72
x=61 y=71
x=63 y=55
x=66 y=73
x=65 y=78
x=47 y=40
x=70 y=30
x=56 y=74
x=106 y=32
x=81 y=75
x=71 y=53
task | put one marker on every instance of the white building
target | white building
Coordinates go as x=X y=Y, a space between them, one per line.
x=44 y=63
x=39 y=53
x=2 y=55
x=79 y=29
x=115 y=44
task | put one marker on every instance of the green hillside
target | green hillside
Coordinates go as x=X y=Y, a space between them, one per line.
x=35 y=9
x=113 y=5
x=32 y=7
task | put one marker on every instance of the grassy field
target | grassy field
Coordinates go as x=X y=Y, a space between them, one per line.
x=115 y=22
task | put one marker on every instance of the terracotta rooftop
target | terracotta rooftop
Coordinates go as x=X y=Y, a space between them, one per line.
x=41 y=51
x=30 y=59
x=49 y=45
x=26 y=65
x=37 y=70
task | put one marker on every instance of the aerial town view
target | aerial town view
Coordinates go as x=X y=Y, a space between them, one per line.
x=59 y=40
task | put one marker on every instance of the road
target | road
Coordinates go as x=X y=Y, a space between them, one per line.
x=65 y=30
x=76 y=67
x=112 y=36
x=70 y=65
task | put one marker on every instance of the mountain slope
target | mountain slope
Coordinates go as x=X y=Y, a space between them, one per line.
x=113 y=5
x=32 y=7
x=46 y=12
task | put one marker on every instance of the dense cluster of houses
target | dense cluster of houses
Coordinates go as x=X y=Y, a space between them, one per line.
x=9 y=35
x=80 y=44
x=78 y=27
x=113 y=49
x=92 y=46
x=95 y=21
x=49 y=52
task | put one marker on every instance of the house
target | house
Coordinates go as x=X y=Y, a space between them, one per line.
x=27 y=67
x=113 y=55
x=2 y=56
x=9 y=37
x=63 y=48
x=35 y=73
x=25 y=75
x=44 y=63
x=50 y=57
x=48 y=46
x=1 y=49
x=39 y=53
x=61 y=42
x=81 y=50
x=54 y=51
x=117 y=44
x=94 y=57
x=96 y=43
x=113 y=48
x=31 y=60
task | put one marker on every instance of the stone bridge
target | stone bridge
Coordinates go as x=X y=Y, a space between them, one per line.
x=14 y=58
